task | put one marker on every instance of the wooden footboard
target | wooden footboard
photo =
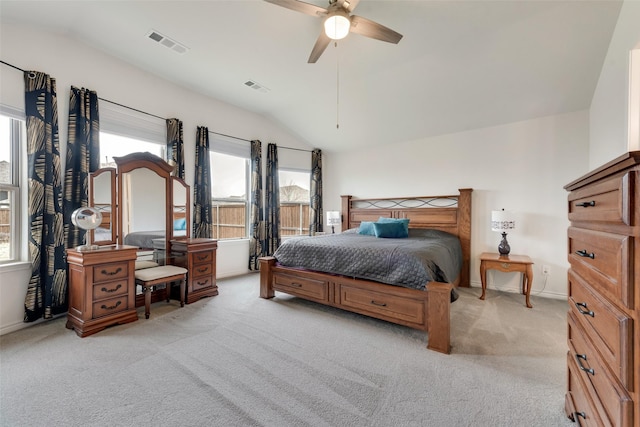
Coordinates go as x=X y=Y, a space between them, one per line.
x=425 y=310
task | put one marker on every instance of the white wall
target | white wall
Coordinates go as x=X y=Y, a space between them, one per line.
x=73 y=63
x=520 y=167
x=610 y=105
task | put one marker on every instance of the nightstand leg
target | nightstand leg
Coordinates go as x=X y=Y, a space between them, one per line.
x=483 y=278
x=528 y=276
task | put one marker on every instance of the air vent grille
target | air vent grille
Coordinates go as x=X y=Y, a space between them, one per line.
x=256 y=86
x=167 y=42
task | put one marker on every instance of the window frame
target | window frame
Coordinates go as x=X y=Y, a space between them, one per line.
x=222 y=147
x=17 y=128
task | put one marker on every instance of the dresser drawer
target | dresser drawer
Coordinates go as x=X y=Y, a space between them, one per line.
x=615 y=400
x=109 y=272
x=603 y=258
x=604 y=201
x=202 y=257
x=200 y=270
x=578 y=404
x=110 y=289
x=305 y=287
x=383 y=305
x=609 y=328
x=110 y=306
x=201 y=282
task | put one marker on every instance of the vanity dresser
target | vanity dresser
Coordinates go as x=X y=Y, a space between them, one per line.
x=603 y=381
x=102 y=288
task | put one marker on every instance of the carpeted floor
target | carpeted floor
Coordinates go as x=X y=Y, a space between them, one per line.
x=238 y=360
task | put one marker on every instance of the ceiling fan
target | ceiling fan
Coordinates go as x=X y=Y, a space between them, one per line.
x=338 y=22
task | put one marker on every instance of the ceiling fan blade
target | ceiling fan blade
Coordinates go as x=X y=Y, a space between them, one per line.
x=348 y=5
x=368 y=28
x=300 y=6
x=321 y=44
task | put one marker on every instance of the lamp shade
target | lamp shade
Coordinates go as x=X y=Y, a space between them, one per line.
x=502 y=221
x=333 y=217
x=337 y=25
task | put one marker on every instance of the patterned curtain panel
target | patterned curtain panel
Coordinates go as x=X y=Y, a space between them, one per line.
x=315 y=206
x=202 y=219
x=257 y=242
x=272 y=201
x=175 y=146
x=83 y=157
x=47 y=290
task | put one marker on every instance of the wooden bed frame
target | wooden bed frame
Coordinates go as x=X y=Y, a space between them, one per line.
x=427 y=310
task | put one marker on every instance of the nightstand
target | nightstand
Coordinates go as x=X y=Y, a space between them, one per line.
x=508 y=264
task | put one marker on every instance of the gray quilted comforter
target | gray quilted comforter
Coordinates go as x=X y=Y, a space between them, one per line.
x=426 y=255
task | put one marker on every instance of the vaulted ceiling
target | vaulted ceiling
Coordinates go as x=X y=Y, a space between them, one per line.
x=461 y=64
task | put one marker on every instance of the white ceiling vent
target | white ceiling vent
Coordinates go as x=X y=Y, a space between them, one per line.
x=167 y=42
x=254 y=85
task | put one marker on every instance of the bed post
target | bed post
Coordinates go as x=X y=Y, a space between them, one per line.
x=266 y=276
x=346 y=216
x=439 y=317
x=464 y=233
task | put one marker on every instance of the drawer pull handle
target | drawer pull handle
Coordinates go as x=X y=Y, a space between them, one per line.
x=379 y=304
x=583 y=253
x=586 y=204
x=579 y=358
x=586 y=312
x=296 y=285
x=202 y=269
x=112 y=290
x=579 y=414
x=203 y=283
x=111 y=273
x=202 y=257
x=104 y=307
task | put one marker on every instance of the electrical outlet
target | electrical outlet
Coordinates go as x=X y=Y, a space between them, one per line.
x=546 y=270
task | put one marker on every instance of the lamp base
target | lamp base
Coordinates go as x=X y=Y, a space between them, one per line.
x=504 y=247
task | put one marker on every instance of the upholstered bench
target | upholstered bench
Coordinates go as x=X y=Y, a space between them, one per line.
x=148 y=278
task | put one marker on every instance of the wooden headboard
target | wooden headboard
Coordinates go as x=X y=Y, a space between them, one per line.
x=450 y=213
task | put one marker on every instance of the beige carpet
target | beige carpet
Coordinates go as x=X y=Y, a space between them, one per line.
x=238 y=360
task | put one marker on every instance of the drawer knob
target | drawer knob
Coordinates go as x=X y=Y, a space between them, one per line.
x=585 y=254
x=586 y=204
x=580 y=358
x=379 y=304
x=112 y=290
x=586 y=311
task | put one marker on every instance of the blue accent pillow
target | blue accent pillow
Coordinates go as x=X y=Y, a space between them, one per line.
x=180 y=224
x=392 y=230
x=404 y=221
x=366 y=228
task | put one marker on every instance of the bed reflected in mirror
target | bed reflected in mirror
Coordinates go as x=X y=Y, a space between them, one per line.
x=180 y=209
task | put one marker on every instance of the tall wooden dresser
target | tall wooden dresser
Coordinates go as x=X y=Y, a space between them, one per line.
x=603 y=381
x=102 y=288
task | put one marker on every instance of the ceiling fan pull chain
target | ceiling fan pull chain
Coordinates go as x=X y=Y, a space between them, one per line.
x=337 y=87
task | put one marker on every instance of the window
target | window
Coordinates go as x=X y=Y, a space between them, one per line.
x=294 y=202
x=11 y=134
x=230 y=195
x=112 y=145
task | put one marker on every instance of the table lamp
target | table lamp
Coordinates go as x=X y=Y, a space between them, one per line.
x=333 y=219
x=500 y=222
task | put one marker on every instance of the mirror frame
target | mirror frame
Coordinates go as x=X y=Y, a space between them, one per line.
x=179 y=181
x=146 y=160
x=114 y=208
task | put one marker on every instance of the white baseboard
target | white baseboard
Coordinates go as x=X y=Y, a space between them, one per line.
x=543 y=294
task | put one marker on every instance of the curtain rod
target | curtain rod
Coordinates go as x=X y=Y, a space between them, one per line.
x=162 y=118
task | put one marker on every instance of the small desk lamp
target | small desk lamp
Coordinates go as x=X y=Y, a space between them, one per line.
x=502 y=221
x=333 y=218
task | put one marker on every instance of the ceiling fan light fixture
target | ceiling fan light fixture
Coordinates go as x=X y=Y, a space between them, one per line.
x=337 y=25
